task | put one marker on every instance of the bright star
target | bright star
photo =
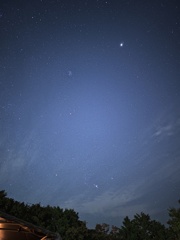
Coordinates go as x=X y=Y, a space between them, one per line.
x=121 y=44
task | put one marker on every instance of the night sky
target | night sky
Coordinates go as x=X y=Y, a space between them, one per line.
x=89 y=106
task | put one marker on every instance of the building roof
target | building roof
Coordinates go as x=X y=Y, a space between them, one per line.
x=14 y=228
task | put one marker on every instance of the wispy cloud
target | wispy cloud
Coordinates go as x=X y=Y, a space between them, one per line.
x=16 y=158
x=129 y=200
x=166 y=125
x=167 y=130
x=110 y=202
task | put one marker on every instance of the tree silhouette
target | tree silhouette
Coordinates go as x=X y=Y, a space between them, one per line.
x=174 y=222
x=67 y=224
x=142 y=227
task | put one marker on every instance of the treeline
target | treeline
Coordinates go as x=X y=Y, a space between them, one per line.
x=67 y=224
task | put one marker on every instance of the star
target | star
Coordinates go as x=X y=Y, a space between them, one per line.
x=93 y=111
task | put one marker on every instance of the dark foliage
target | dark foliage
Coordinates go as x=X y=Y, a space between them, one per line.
x=67 y=224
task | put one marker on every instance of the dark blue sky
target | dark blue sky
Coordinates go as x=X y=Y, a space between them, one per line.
x=89 y=106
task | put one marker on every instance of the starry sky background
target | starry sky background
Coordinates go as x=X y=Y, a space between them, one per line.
x=89 y=106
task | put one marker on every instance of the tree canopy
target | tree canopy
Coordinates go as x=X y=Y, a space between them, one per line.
x=67 y=223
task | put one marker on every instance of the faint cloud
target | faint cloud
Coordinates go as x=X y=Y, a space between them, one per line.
x=166 y=127
x=108 y=202
x=126 y=201
x=132 y=209
x=168 y=170
x=69 y=73
x=167 y=130
x=17 y=158
x=13 y=163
